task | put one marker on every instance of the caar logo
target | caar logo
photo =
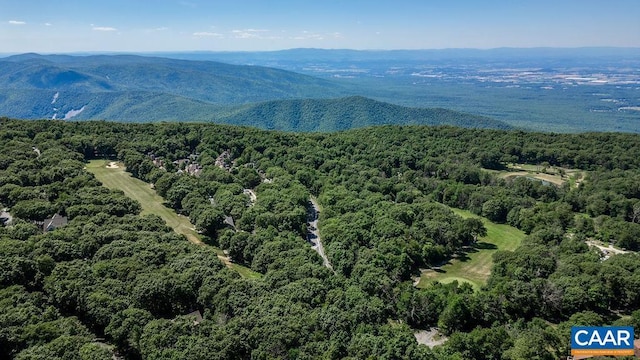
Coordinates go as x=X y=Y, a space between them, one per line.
x=602 y=341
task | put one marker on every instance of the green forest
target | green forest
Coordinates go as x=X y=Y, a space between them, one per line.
x=111 y=280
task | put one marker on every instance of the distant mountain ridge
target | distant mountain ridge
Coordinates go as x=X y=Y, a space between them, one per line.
x=332 y=55
x=347 y=113
x=209 y=81
x=132 y=88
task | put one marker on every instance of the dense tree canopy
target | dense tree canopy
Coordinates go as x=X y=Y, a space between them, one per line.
x=113 y=280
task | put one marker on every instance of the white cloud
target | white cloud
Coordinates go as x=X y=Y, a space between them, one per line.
x=158 y=29
x=104 y=28
x=16 y=22
x=307 y=35
x=249 y=33
x=207 y=34
x=48 y=24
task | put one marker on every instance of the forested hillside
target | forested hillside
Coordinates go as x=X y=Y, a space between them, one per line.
x=137 y=89
x=347 y=113
x=148 y=89
x=329 y=90
x=202 y=80
x=111 y=280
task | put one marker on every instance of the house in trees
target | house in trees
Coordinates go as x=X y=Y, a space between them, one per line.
x=157 y=161
x=197 y=317
x=228 y=220
x=188 y=166
x=5 y=217
x=193 y=169
x=223 y=161
x=54 y=222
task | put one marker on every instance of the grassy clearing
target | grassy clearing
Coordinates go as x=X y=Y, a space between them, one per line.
x=475 y=267
x=553 y=174
x=115 y=177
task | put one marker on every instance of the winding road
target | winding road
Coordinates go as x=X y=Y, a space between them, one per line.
x=313 y=234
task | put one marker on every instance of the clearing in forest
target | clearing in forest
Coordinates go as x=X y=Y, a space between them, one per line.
x=113 y=176
x=550 y=174
x=475 y=265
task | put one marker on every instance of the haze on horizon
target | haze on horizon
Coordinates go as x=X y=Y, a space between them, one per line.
x=260 y=25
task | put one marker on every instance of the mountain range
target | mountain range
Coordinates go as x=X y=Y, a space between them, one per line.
x=209 y=81
x=139 y=89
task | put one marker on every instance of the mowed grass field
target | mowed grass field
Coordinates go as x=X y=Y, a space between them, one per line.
x=475 y=268
x=117 y=178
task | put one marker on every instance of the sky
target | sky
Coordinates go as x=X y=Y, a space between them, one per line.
x=50 y=26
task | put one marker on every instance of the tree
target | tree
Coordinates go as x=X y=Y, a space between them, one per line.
x=69 y=285
x=539 y=344
x=495 y=209
x=37 y=210
x=248 y=177
x=456 y=316
x=95 y=351
x=480 y=343
x=475 y=227
x=210 y=220
x=63 y=347
x=491 y=160
x=125 y=329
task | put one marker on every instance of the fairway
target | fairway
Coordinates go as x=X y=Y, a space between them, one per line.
x=113 y=176
x=117 y=178
x=476 y=268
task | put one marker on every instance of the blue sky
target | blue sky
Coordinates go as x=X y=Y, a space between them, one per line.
x=182 y=25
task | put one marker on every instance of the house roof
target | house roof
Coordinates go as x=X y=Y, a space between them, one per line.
x=5 y=217
x=198 y=316
x=229 y=221
x=55 y=221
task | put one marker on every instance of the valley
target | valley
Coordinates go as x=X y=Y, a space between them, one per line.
x=544 y=89
x=557 y=90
